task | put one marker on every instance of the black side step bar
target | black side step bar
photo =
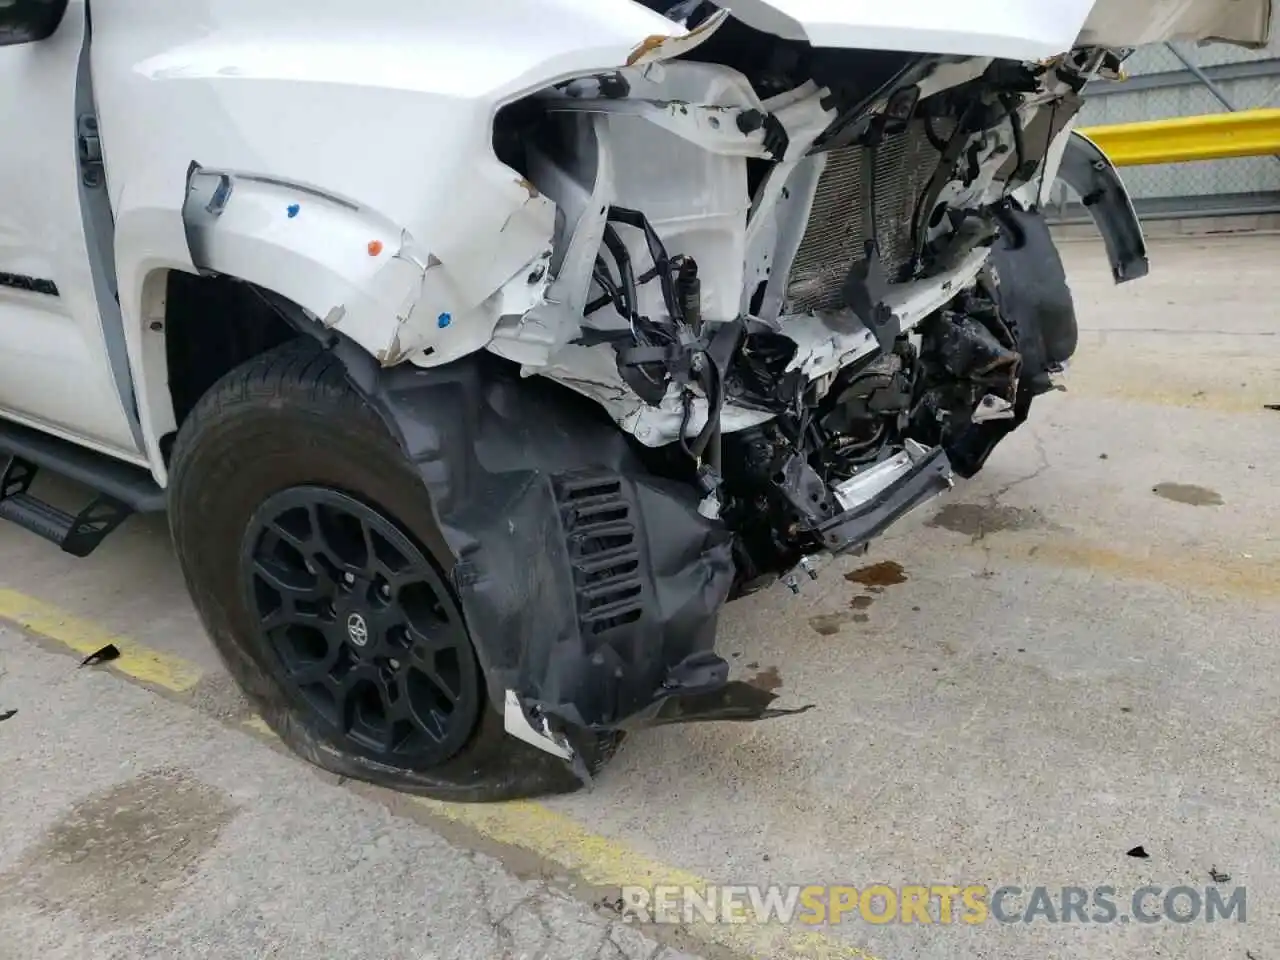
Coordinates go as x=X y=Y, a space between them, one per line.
x=122 y=489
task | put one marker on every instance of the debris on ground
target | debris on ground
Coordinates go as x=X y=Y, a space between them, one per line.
x=6 y=714
x=102 y=655
x=1217 y=877
x=1138 y=852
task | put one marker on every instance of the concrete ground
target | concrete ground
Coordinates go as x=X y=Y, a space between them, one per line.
x=1072 y=655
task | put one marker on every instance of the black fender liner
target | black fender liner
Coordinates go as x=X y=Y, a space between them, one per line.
x=591 y=587
x=1031 y=291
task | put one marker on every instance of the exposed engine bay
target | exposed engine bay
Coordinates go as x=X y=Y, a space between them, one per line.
x=800 y=290
x=773 y=267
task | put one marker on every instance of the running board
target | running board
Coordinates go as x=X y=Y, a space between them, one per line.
x=122 y=489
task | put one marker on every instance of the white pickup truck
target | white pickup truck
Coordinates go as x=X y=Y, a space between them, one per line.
x=479 y=352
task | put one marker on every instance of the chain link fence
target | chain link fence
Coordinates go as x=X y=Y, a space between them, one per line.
x=1180 y=80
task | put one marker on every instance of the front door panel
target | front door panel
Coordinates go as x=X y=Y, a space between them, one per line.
x=55 y=371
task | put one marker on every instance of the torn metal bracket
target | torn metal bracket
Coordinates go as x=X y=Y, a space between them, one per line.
x=864 y=523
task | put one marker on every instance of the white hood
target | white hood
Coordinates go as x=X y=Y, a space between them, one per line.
x=1012 y=29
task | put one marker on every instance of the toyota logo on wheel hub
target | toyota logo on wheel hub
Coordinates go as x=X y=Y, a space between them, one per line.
x=357 y=630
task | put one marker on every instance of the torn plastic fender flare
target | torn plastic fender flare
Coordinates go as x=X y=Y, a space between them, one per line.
x=361 y=274
x=1088 y=171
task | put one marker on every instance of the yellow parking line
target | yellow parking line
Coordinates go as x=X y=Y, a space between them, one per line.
x=605 y=862
x=85 y=637
x=258 y=726
x=598 y=860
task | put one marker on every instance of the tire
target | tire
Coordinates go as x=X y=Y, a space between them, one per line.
x=274 y=470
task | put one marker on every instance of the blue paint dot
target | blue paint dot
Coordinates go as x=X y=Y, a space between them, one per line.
x=293 y=210
x=443 y=320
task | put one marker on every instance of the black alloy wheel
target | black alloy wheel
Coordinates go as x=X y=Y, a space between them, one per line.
x=361 y=624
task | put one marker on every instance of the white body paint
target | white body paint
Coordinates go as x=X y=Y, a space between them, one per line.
x=357 y=145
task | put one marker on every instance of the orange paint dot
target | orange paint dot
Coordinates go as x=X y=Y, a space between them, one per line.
x=375 y=247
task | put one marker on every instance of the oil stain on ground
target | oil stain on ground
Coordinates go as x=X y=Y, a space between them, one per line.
x=1188 y=493
x=882 y=574
x=123 y=854
x=768 y=680
x=976 y=520
x=861 y=602
x=829 y=624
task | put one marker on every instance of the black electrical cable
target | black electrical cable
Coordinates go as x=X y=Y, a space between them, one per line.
x=1015 y=121
x=686 y=401
x=664 y=268
x=713 y=389
x=661 y=262
x=932 y=190
x=612 y=294
x=626 y=275
x=713 y=447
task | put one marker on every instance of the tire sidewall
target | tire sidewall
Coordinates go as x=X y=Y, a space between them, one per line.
x=242 y=460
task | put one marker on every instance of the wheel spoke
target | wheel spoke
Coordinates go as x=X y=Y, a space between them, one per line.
x=392 y=694
x=363 y=625
x=301 y=544
x=429 y=671
x=371 y=556
x=315 y=671
x=277 y=576
x=423 y=644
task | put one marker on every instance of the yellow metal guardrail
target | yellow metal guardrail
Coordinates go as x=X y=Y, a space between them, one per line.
x=1246 y=133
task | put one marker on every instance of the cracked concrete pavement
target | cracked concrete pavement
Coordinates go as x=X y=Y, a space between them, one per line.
x=1071 y=655
x=135 y=827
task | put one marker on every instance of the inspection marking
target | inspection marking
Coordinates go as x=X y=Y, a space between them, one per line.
x=85 y=637
x=598 y=860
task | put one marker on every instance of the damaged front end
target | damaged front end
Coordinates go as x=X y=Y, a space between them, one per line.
x=792 y=290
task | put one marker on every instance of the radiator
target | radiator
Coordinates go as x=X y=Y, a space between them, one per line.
x=838 y=228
